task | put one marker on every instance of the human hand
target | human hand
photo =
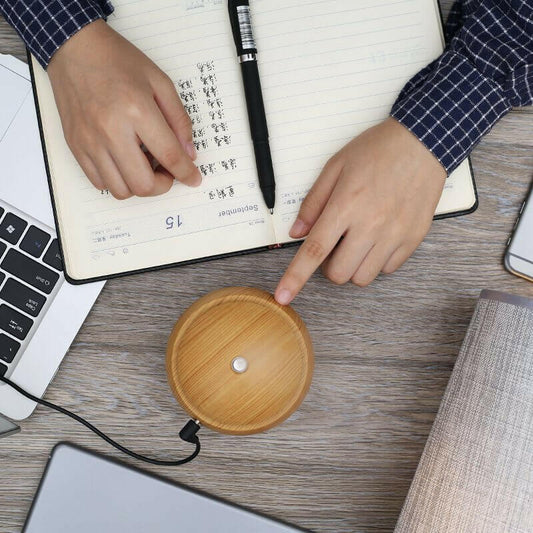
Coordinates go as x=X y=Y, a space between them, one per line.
x=379 y=193
x=113 y=101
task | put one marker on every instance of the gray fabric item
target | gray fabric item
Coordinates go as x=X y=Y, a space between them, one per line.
x=476 y=472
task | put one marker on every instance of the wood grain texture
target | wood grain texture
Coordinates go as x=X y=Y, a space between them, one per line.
x=344 y=461
x=245 y=323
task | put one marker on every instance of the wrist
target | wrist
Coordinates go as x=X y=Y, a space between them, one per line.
x=417 y=151
x=84 y=43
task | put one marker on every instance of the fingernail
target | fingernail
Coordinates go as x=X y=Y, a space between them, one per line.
x=193 y=180
x=299 y=228
x=191 y=150
x=198 y=180
x=283 y=297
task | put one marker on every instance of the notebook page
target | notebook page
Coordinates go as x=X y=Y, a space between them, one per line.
x=331 y=70
x=191 y=41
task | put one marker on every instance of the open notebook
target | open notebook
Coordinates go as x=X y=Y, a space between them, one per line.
x=329 y=70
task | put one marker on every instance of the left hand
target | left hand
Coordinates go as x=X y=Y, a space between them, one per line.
x=380 y=193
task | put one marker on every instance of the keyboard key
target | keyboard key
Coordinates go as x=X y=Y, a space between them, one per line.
x=15 y=323
x=52 y=257
x=11 y=228
x=8 y=348
x=22 y=297
x=34 y=241
x=2 y=277
x=1 y=211
x=3 y=247
x=30 y=271
x=3 y=369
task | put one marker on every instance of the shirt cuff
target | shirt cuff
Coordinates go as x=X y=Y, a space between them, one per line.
x=45 y=35
x=449 y=106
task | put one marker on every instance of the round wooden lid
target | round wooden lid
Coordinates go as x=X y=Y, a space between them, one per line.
x=239 y=362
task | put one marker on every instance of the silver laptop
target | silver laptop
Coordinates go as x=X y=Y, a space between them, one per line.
x=40 y=313
x=86 y=493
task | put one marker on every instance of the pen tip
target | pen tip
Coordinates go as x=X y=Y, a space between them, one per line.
x=272 y=211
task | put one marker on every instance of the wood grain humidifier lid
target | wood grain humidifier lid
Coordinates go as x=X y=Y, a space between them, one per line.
x=239 y=362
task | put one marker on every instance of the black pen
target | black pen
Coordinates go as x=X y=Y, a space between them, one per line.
x=239 y=14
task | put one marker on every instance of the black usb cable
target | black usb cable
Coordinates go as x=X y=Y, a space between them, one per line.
x=187 y=434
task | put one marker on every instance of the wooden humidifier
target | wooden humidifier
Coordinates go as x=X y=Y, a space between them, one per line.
x=238 y=362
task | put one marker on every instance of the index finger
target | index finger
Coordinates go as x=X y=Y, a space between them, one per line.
x=161 y=141
x=321 y=240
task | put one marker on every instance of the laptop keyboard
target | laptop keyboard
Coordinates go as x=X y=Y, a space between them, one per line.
x=30 y=277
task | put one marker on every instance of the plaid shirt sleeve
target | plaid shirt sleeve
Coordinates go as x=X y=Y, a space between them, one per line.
x=44 y=25
x=485 y=70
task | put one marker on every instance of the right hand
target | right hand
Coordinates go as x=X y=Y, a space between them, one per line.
x=113 y=101
x=379 y=194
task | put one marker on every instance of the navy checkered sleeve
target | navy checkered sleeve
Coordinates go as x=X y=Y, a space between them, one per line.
x=485 y=70
x=45 y=25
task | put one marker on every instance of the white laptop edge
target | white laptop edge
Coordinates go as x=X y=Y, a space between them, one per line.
x=68 y=309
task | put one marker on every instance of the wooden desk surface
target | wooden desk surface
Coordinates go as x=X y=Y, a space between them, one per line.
x=344 y=461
